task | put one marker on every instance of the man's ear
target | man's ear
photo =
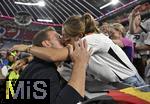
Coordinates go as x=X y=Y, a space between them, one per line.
x=46 y=43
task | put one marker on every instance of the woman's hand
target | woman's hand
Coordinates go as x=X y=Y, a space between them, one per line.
x=21 y=47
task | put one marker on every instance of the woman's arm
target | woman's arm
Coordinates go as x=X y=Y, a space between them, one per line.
x=50 y=54
x=47 y=54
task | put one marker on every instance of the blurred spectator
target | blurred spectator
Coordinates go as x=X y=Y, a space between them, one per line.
x=140 y=30
x=105 y=28
x=135 y=25
x=140 y=57
x=118 y=32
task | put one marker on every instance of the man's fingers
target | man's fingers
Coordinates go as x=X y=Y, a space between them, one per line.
x=85 y=44
x=81 y=44
x=76 y=45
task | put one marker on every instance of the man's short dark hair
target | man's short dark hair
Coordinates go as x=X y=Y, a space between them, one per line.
x=41 y=36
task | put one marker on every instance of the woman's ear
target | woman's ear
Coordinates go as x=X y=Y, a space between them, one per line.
x=46 y=43
x=81 y=35
x=77 y=38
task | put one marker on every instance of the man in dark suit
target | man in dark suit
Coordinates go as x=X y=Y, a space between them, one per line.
x=61 y=92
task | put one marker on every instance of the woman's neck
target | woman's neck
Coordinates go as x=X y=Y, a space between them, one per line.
x=88 y=33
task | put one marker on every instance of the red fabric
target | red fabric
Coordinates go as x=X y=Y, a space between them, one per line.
x=123 y=98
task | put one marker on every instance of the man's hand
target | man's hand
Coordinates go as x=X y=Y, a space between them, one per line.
x=80 y=57
x=80 y=54
x=21 y=47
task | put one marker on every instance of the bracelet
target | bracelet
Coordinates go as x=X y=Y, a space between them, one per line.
x=29 y=48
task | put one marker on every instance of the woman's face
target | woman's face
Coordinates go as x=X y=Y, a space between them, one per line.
x=137 y=20
x=115 y=34
x=66 y=39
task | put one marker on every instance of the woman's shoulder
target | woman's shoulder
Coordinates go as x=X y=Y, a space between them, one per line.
x=127 y=41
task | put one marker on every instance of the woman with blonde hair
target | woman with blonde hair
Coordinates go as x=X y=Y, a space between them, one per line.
x=118 y=32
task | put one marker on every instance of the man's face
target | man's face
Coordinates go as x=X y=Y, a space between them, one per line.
x=54 y=39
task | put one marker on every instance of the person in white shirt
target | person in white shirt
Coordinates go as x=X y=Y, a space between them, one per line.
x=135 y=27
x=142 y=30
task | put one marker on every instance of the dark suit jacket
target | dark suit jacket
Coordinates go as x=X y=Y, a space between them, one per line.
x=60 y=92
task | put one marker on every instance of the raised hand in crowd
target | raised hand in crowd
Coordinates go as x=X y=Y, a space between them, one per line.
x=135 y=20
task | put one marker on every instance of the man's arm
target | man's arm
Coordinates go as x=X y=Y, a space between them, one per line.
x=47 y=54
x=74 y=91
x=71 y=93
x=80 y=57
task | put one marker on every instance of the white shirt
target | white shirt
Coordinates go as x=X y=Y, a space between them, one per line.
x=105 y=66
x=140 y=39
x=146 y=25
